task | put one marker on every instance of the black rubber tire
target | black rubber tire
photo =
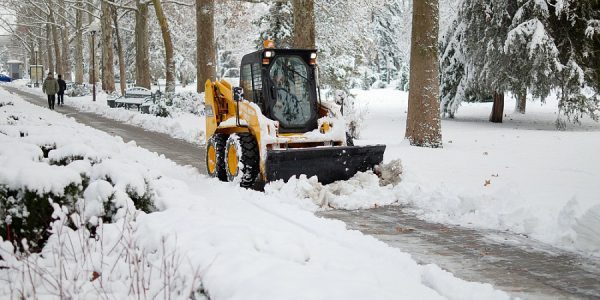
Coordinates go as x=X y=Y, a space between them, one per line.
x=218 y=141
x=248 y=156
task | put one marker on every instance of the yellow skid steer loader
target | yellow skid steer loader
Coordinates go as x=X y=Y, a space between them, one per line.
x=274 y=126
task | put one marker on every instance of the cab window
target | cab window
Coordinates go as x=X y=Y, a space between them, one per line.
x=257 y=82
x=246 y=82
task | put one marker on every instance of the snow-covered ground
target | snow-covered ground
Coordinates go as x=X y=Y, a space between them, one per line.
x=523 y=175
x=239 y=244
x=182 y=125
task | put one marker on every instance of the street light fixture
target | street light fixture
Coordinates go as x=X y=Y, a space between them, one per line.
x=35 y=50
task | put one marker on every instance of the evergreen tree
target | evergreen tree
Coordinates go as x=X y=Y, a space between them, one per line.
x=452 y=70
x=473 y=63
x=277 y=25
x=523 y=46
x=579 y=54
x=387 y=23
x=532 y=51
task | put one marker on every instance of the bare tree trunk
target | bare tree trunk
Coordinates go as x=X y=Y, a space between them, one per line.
x=498 y=108
x=55 y=39
x=40 y=58
x=166 y=34
x=79 y=43
x=121 y=54
x=65 y=62
x=93 y=67
x=205 y=43
x=108 y=71
x=142 y=55
x=423 y=126
x=521 y=102
x=304 y=24
x=49 y=48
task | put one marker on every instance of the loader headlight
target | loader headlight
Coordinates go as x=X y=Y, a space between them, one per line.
x=269 y=54
x=313 y=58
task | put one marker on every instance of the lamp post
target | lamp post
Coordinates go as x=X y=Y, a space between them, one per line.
x=35 y=50
x=93 y=33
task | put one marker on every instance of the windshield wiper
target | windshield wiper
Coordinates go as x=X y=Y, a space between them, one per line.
x=295 y=72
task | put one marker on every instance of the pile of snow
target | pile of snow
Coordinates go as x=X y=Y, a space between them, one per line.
x=208 y=237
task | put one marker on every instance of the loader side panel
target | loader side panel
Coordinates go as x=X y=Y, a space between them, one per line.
x=210 y=110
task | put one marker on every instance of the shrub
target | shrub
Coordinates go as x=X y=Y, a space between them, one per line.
x=26 y=214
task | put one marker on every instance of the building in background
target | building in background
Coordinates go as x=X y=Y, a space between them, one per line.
x=16 y=69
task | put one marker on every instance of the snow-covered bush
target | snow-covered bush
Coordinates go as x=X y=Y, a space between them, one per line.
x=337 y=74
x=79 y=90
x=160 y=106
x=168 y=105
x=26 y=213
x=41 y=169
x=190 y=102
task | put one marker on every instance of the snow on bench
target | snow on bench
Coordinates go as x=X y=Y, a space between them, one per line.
x=135 y=96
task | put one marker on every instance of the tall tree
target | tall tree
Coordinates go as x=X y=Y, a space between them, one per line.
x=120 y=53
x=92 y=68
x=423 y=126
x=142 y=55
x=279 y=25
x=108 y=71
x=55 y=38
x=205 y=43
x=168 y=44
x=48 y=43
x=64 y=32
x=79 y=42
x=387 y=23
x=304 y=23
x=526 y=47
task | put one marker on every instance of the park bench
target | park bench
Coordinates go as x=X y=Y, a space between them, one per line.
x=133 y=97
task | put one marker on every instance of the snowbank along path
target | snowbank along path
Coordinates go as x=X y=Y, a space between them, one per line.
x=511 y=262
x=183 y=152
x=247 y=245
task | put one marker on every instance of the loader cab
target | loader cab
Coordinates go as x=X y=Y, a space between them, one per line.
x=282 y=83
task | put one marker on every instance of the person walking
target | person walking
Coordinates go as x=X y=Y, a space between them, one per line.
x=50 y=87
x=62 y=86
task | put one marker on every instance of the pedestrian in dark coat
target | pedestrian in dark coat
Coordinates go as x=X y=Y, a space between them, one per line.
x=50 y=88
x=62 y=86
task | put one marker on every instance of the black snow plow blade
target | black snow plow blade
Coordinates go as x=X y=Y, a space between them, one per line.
x=328 y=164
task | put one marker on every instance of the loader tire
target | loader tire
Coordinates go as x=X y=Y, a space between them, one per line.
x=241 y=159
x=215 y=156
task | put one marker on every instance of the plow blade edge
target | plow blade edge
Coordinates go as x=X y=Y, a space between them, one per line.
x=329 y=164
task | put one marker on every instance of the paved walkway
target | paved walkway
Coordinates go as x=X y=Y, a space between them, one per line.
x=510 y=262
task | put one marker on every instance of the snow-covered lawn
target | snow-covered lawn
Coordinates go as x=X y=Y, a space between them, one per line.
x=240 y=244
x=522 y=175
